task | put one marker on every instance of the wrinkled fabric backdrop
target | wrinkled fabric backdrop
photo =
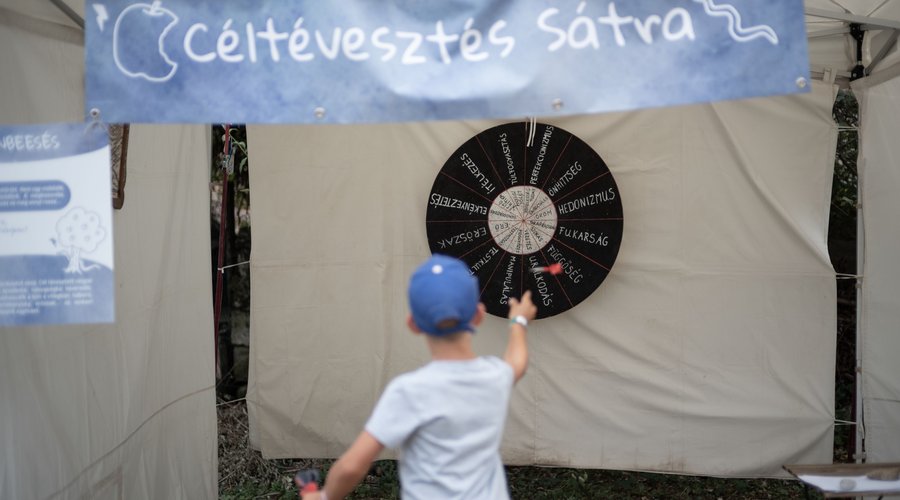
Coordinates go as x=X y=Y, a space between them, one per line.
x=709 y=349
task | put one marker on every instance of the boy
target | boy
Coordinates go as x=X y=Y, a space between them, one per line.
x=446 y=417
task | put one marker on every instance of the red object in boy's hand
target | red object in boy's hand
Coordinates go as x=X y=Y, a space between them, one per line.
x=555 y=268
x=307 y=480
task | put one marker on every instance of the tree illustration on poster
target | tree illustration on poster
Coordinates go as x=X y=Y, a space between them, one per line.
x=521 y=196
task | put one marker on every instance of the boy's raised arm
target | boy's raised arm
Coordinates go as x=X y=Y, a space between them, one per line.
x=517 y=347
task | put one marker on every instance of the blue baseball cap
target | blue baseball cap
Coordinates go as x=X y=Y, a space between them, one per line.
x=443 y=296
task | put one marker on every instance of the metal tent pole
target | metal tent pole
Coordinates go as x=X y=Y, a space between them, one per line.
x=859 y=453
x=868 y=23
x=63 y=6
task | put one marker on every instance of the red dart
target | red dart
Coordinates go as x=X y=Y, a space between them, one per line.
x=555 y=268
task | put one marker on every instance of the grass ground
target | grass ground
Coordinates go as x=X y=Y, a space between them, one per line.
x=245 y=475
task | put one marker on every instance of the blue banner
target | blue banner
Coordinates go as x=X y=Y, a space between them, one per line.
x=56 y=243
x=355 y=61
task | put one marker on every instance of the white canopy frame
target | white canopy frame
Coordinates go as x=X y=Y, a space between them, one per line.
x=857 y=27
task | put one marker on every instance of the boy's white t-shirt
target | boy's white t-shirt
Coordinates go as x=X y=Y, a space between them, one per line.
x=447 y=419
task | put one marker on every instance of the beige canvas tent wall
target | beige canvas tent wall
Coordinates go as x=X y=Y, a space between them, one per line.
x=335 y=238
x=879 y=341
x=709 y=349
x=127 y=410
x=833 y=53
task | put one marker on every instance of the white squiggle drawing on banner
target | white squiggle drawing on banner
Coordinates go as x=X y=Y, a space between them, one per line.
x=102 y=15
x=735 y=29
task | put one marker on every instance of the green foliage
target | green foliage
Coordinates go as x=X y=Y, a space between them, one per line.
x=842 y=249
x=239 y=177
x=541 y=483
x=548 y=483
x=844 y=193
x=251 y=490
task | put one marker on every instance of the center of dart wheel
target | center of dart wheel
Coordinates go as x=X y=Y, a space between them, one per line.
x=522 y=220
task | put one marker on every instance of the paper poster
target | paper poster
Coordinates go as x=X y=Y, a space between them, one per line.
x=56 y=241
x=355 y=61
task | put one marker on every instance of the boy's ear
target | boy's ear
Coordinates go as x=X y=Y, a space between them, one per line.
x=479 y=314
x=412 y=325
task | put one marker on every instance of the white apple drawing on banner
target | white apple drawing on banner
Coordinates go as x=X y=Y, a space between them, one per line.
x=149 y=22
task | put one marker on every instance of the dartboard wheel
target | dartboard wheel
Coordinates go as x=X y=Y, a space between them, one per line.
x=522 y=196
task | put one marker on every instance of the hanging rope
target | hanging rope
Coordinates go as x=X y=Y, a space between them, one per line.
x=220 y=274
x=532 y=125
x=234 y=265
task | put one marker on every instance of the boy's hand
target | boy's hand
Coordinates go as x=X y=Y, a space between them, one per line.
x=307 y=482
x=524 y=307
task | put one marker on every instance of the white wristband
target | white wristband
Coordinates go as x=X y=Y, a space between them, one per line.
x=520 y=320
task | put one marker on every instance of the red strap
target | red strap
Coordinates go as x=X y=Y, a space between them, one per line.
x=217 y=305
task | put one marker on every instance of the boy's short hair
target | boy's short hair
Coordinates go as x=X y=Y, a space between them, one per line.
x=443 y=296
